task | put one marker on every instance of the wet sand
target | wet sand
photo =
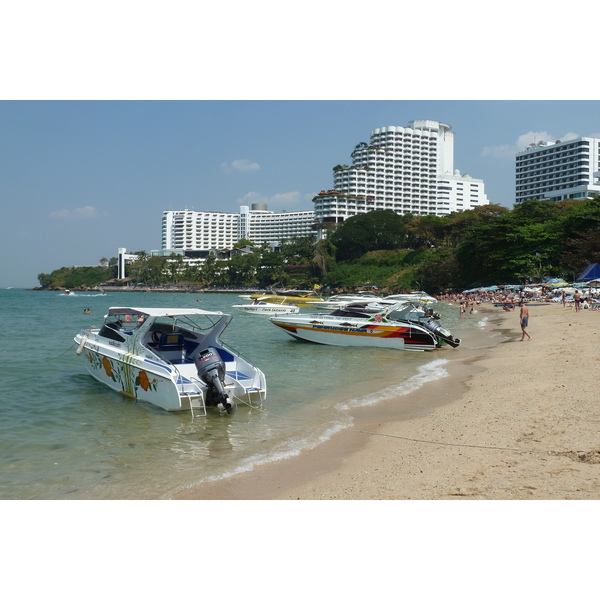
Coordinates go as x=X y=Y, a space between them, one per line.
x=512 y=421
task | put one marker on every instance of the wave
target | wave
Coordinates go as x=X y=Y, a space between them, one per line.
x=482 y=322
x=287 y=449
x=429 y=372
x=82 y=295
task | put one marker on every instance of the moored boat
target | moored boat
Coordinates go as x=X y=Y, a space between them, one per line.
x=417 y=297
x=172 y=358
x=342 y=300
x=297 y=297
x=262 y=307
x=394 y=327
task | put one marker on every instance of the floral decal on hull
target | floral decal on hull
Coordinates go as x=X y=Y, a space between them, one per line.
x=123 y=374
x=143 y=380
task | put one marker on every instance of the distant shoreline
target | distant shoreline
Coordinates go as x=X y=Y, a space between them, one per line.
x=153 y=290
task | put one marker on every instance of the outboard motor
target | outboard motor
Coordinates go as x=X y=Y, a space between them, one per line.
x=431 y=314
x=211 y=370
x=441 y=333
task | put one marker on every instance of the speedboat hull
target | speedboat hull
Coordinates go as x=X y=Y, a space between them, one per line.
x=267 y=308
x=142 y=380
x=349 y=332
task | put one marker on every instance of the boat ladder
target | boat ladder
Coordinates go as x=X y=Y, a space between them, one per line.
x=194 y=397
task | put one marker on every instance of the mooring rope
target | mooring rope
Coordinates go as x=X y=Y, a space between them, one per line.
x=408 y=439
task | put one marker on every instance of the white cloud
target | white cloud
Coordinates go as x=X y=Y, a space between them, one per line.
x=241 y=165
x=85 y=212
x=523 y=141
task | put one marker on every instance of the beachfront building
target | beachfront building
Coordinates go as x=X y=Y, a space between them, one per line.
x=197 y=233
x=260 y=225
x=404 y=169
x=558 y=170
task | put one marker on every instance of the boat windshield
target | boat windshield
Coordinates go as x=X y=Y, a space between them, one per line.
x=195 y=323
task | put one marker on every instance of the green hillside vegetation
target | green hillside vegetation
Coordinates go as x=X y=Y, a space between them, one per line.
x=486 y=245
x=75 y=277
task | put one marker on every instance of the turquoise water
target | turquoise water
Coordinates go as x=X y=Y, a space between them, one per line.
x=64 y=435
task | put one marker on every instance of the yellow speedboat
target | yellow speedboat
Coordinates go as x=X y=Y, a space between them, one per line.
x=297 y=297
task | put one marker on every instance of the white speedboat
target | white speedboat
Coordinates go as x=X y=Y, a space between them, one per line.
x=342 y=300
x=393 y=327
x=262 y=307
x=418 y=297
x=172 y=358
x=413 y=312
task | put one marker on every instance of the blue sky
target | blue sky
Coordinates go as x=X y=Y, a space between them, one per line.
x=79 y=179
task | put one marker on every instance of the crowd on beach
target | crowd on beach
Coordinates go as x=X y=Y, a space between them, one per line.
x=509 y=298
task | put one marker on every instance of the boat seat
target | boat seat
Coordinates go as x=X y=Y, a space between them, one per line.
x=171 y=341
x=225 y=355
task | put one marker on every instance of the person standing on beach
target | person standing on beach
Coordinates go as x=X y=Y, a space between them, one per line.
x=577 y=299
x=524 y=317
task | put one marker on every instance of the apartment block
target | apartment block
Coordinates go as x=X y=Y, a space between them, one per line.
x=558 y=170
x=201 y=232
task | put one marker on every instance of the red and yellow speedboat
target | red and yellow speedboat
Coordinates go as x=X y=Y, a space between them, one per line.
x=394 y=327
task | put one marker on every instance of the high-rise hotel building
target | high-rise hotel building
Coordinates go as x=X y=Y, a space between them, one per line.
x=404 y=169
x=198 y=232
x=558 y=170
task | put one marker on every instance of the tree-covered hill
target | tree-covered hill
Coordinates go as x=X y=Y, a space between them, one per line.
x=489 y=244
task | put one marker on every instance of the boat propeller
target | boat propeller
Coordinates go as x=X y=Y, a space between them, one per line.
x=211 y=370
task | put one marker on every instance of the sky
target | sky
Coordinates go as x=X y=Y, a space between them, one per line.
x=106 y=122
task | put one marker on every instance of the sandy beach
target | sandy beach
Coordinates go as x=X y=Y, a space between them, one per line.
x=512 y=421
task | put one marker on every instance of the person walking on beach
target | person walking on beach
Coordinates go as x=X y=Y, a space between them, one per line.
x=524 y=317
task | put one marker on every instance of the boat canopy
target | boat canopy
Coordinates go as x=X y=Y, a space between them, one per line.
x=160 y=312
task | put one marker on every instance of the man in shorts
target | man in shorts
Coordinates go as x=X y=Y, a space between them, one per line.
x=524 y=317
x=577 y=300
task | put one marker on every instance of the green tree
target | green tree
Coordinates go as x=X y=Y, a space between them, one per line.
x=511 y=248
x=271 y=269
x=324 y=255
x=208 y=272
x=375 y=230
x=242 y=269
x=439 y=270
x=298 y=251
x=175 y=267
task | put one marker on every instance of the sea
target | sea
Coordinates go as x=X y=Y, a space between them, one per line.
x=64 y=436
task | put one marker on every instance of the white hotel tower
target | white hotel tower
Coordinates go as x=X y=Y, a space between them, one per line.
x=404 y=169
x=558 y=170
x=200 y=232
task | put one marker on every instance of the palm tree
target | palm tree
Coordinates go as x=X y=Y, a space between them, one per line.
x=323 y=254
